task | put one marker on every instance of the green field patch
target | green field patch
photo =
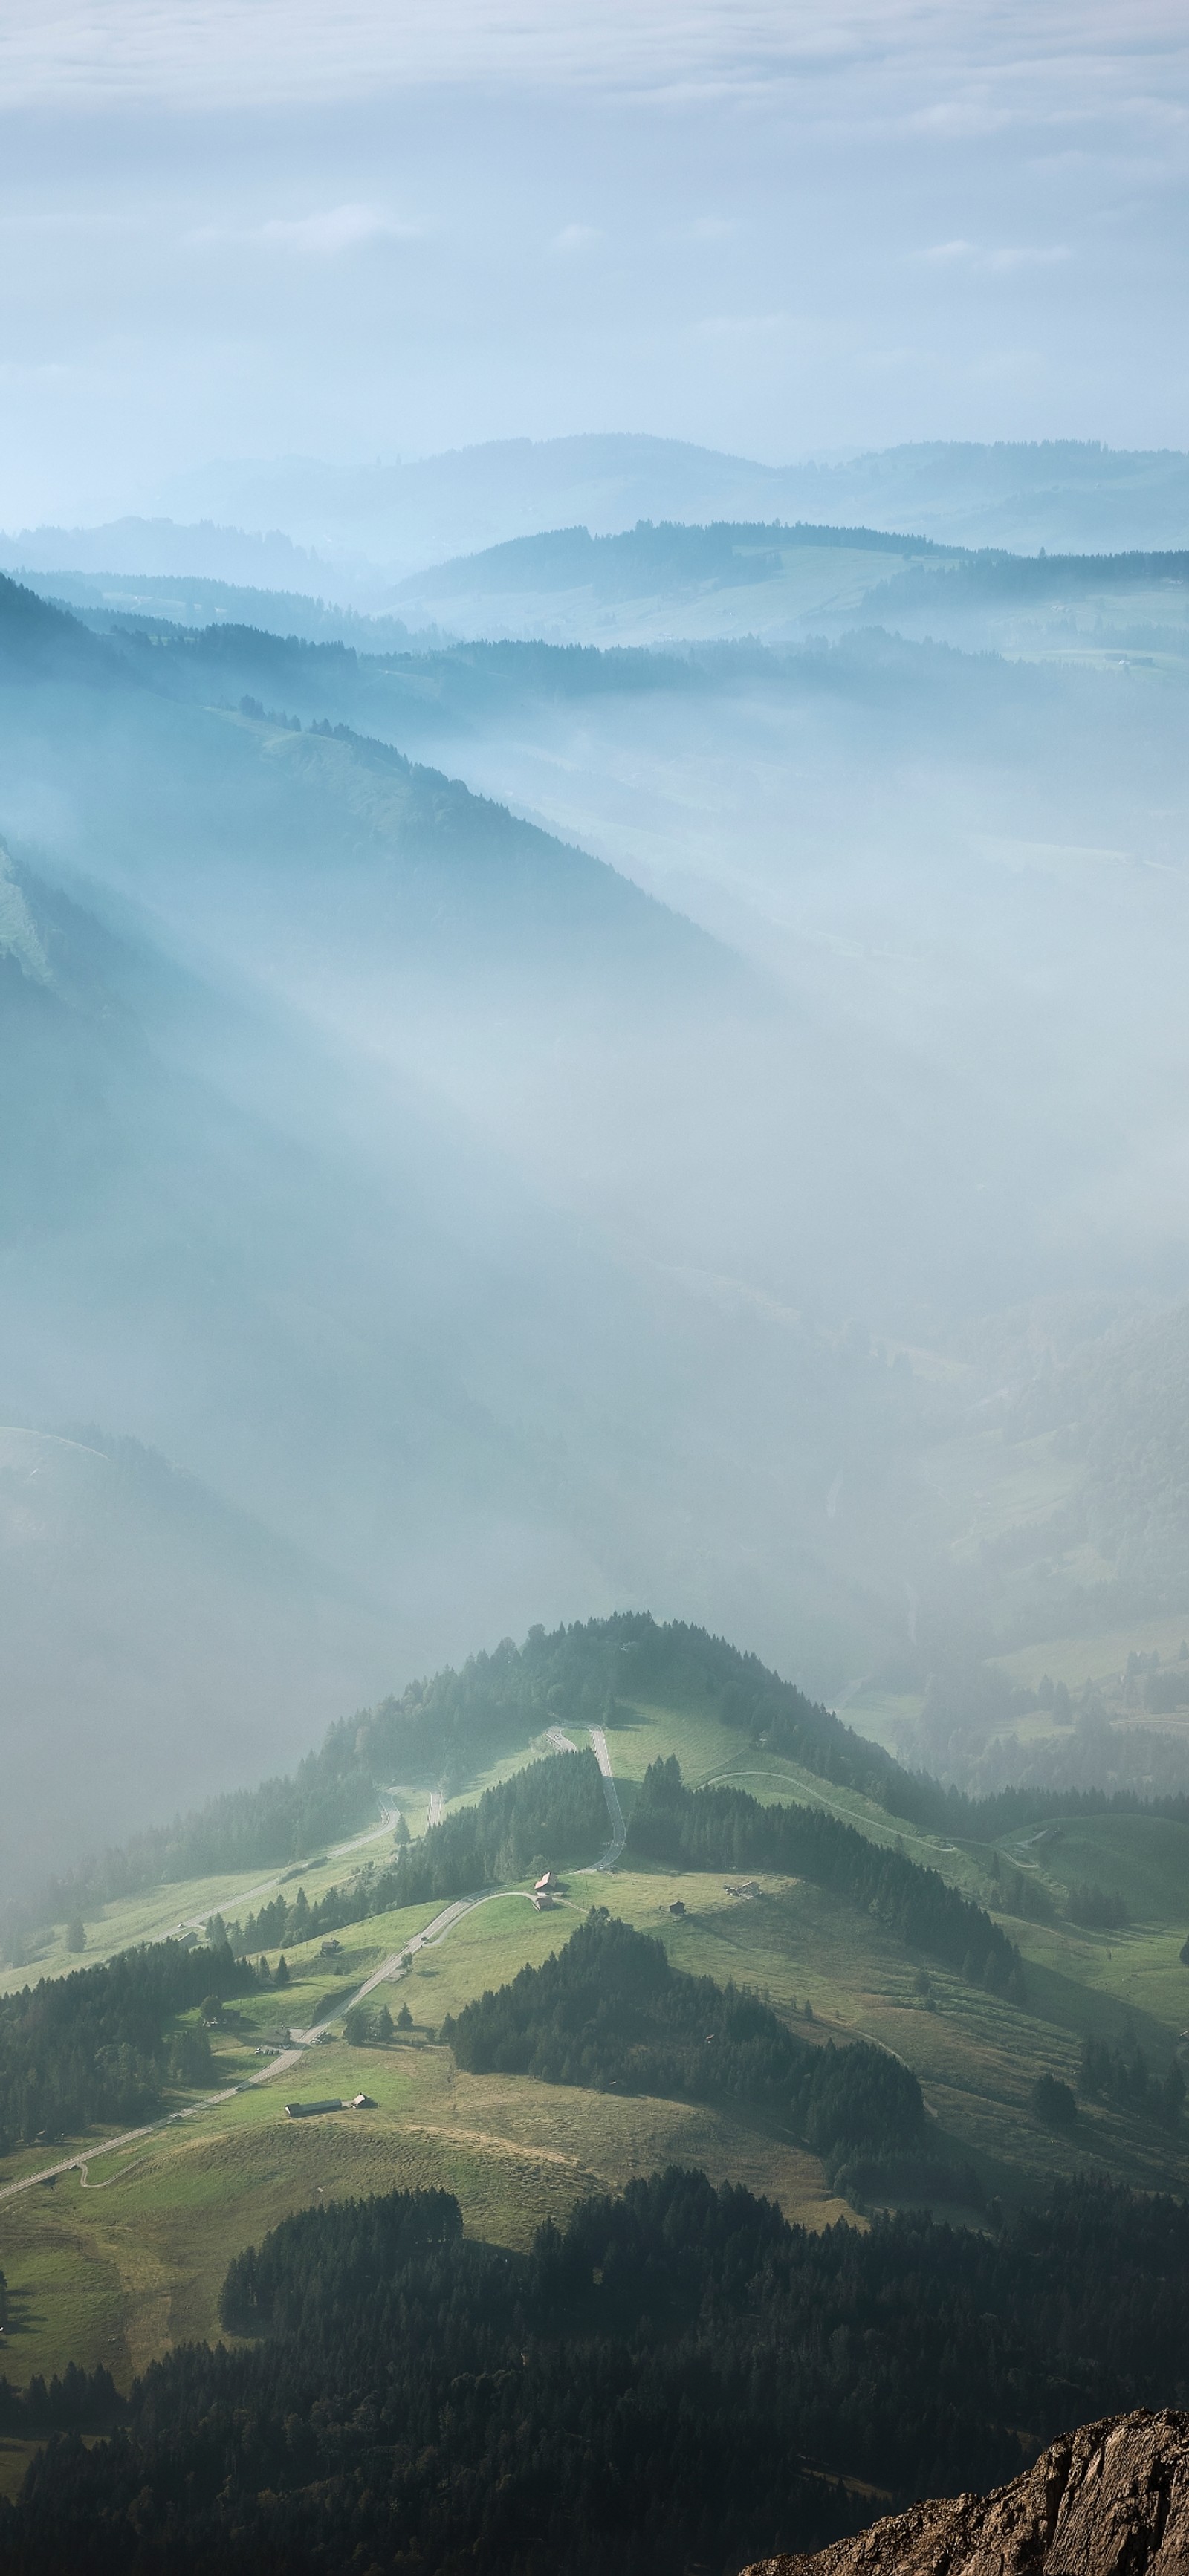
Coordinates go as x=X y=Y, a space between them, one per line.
x=70 y=2295
x=886 y=1716
x=118 y=2270
x=118 y=2274
x=1110 y=1984
x=121 y=2275
x=1144 y=1859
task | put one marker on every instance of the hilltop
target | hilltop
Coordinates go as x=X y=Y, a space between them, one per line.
x=1056 y=493
x=780 y=583
x=765 y=1842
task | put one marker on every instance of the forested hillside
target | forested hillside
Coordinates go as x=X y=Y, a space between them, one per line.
x=1120 y=1406
x=96 y=2046
x=725 y=1828
x=552 y=1807
x=677 y=2374
x=775 y=580
x=671 y=558
x=457 y=1722
x=610 y=2011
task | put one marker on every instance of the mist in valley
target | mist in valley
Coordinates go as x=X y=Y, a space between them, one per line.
x=434 y=1206
x=594 y=1287
x=592 y=898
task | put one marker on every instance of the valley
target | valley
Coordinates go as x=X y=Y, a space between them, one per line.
x=117 y=2264
x=594 y=1290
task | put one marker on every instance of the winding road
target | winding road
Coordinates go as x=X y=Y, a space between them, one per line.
x=268 y=1886
x=392 y=1970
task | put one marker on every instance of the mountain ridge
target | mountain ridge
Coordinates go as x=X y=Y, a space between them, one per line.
x=376 y=523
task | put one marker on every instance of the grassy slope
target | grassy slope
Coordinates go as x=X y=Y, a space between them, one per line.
x=1075 y=622
x=118 y=2270
x=162 y=1910
x=813 y=581
x=707 y=1749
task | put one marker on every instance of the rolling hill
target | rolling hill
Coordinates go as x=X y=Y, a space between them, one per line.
x=780 y=583
x=1068 y=494
x=485 y=1233
x=298 y=525
x=128 y=2259
x=313 y=1061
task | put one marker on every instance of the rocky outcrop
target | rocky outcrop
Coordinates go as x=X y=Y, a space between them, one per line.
x=1110 y=2500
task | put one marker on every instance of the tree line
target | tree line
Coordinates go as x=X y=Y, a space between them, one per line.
x=610 y=2011
x=551 y=1808
x=1125 y=2079
x=723 y=1828
x=448 y=1726
x=677 y=2376
x=97 y=2045
x=80 y=2401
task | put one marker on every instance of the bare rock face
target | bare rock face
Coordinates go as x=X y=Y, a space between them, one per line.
x=1110 y=2500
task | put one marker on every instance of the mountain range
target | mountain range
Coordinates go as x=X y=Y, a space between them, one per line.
x=296 y=523
x=510 y=1131
x=391 y=1363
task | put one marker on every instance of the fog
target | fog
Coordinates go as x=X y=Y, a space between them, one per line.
x=251 y=235
x=592 y=868
x=972 y=870
x=256 y=1222
x=421 y=1220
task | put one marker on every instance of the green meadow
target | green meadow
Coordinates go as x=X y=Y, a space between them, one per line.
x=121 y=2262
x=707 y=1749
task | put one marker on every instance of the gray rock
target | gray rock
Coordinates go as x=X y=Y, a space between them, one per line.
x=1109 y=2500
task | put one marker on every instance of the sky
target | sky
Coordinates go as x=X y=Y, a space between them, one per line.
x=252 y=228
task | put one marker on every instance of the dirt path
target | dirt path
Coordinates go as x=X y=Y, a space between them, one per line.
x=619 y=1831
x=393 y=1969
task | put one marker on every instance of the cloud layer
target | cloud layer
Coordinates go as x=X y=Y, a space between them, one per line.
x=254 y=227
x=257 y=52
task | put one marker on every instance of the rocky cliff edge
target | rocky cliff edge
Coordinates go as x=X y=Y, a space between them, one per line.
x=1109 y=2500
